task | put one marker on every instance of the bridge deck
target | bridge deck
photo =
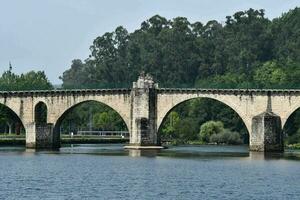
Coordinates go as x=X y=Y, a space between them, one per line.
x=65 y=92
x=159 y=91
x=229 y=91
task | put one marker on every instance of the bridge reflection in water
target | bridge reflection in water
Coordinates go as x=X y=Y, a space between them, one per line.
x=182 y=152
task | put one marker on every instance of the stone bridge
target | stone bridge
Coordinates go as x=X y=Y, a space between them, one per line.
x=144 y=107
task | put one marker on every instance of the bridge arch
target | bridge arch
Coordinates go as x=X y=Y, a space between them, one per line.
x=67 y=110
x=166 y=103
x=285 y=116
x=13 y=114
x=41 y=113
x=292 y=116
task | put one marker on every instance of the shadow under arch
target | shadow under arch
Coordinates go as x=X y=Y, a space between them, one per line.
x=212 y=101
x=7 y=115
x=58 y=123
x=40 y=113
x=291 y=127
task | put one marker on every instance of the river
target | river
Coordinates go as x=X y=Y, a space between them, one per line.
x=181 y=172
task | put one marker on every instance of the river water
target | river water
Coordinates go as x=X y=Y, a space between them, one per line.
x=182 y=172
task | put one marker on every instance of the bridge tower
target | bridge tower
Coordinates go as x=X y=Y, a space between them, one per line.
x=143 y=113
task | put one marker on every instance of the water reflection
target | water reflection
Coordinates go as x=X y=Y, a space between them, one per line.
x=146 y=153
x=264 y=156
x=180 y=172
x=189 y=151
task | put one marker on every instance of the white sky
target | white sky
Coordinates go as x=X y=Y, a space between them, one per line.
x=48 y=34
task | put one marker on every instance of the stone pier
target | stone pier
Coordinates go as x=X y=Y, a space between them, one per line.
x=266 y=133
x=143 y=111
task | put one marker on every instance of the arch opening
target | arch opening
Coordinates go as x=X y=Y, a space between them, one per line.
x=203 y=120
x=291 y=130
x=10 y=123
x=90 y=119
x=40 y=113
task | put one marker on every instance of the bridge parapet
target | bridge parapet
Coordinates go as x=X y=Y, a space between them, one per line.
x=44 y=93
x=230 y=91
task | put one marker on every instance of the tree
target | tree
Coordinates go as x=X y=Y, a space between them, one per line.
x=28 y=81
x=285 y=31
x=209 y=128
x=226 y=137
x=168 y=130
x=76 y=75
x=270 y=75
x=186 y=130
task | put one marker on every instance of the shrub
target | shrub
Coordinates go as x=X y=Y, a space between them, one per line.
x=293 y=139
x=226 y=137
x=209 y=128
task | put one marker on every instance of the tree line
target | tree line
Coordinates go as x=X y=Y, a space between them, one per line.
x=249 y=50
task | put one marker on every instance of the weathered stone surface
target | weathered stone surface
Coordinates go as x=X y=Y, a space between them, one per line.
x=143 y=121
x=266 y=133
x=45 y=138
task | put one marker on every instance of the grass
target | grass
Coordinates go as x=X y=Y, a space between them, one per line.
x=293 y=146
x=12 y=136
x=90 y=139
x=13 y=139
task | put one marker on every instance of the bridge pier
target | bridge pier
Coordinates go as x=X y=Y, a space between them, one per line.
x=41 y=136
x=143 y=114
x=266 y=133
x=30 y=135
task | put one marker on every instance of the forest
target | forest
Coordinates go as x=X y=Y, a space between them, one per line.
x=248 y=50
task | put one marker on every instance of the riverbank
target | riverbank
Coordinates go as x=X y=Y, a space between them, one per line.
x=80 y=139
x=92 y=140
x=177 y=143
x=293 y=146
x=20 y=140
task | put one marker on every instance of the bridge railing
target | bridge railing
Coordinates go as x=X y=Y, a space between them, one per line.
x=122 y=134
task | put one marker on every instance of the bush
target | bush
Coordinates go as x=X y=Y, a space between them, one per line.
x=226 y=137
x=294 y=139
x=186 y=130
x=209 y=128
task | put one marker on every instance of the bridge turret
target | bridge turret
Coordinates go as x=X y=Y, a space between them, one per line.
x=145 y=81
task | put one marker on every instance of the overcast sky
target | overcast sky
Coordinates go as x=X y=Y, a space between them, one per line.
x=48 y=34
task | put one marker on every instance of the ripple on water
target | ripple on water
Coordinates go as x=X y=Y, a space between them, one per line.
x=183 y=172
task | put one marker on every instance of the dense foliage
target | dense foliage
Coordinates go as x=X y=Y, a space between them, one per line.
x=248 y=50
x=28 y=81
x=91 y=116
x=199 y=119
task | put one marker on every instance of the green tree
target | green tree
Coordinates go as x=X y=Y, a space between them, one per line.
x=270 y=75
x=168 y=129
x=209 y=128
x=28 y=81
x=186 y=130
x=285 y=31
x=226 y=137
